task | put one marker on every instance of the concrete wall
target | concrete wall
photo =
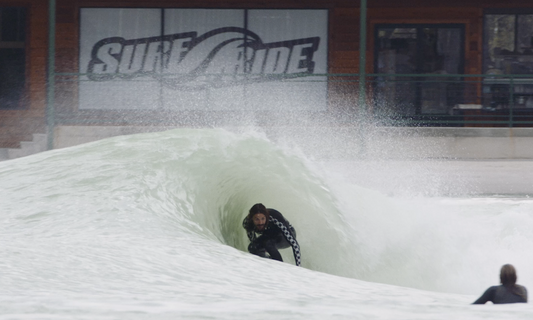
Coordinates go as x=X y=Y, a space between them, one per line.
x=348 y=143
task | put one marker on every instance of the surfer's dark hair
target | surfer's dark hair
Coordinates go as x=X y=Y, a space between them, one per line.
x=255 y=209
x=508 y=275
x=508 y=280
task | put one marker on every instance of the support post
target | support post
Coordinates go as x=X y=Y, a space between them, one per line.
x=50 y=84
x=362 y=80
x=362 y=59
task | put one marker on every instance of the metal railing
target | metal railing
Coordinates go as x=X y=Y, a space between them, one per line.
x=456 y=100
x=453 y=100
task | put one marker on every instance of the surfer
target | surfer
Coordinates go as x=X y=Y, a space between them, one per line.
x=507 y=292
x=269 y=231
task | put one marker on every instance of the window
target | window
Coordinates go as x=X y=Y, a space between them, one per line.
x=508 y=43
x=418 y=49
x=508 y=50
x=12 y=56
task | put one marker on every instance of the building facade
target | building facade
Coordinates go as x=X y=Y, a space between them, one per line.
x=208 y=63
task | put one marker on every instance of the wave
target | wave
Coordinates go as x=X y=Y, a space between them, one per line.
x=196 y=181
x=196 y=186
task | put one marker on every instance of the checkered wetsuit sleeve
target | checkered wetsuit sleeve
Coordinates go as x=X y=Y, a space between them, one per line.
x=249 y=233
x=290 y=239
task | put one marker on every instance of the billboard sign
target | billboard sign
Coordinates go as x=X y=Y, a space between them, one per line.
x=202 y=59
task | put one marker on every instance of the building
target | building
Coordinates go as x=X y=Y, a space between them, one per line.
x=162 y=63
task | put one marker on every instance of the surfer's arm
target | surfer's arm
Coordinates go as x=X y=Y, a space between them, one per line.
x=290 y=239
x=486 y=296
x=249 y=233
x=295 y=250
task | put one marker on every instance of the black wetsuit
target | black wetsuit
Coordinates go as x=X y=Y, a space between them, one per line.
x=500 y=294
x=278 y=234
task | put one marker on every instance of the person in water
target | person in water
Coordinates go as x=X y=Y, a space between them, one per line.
x=507 y=292
x=269 y=231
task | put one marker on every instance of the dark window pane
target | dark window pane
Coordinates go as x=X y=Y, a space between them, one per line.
x=499 y=42
x=13 y=24
x=525 y=33
x=12 y=56
x=12 y=77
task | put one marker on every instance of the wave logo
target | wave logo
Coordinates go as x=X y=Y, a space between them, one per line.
x=219 y=58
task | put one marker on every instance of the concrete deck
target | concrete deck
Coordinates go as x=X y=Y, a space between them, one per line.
x=440 y=177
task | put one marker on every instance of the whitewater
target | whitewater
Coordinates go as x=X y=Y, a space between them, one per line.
x=149 y=226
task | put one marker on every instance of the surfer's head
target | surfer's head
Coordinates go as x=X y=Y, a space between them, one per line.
x=258 y=217
x=508 y=275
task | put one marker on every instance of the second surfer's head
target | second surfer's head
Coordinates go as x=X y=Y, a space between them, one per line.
x=508 y=275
